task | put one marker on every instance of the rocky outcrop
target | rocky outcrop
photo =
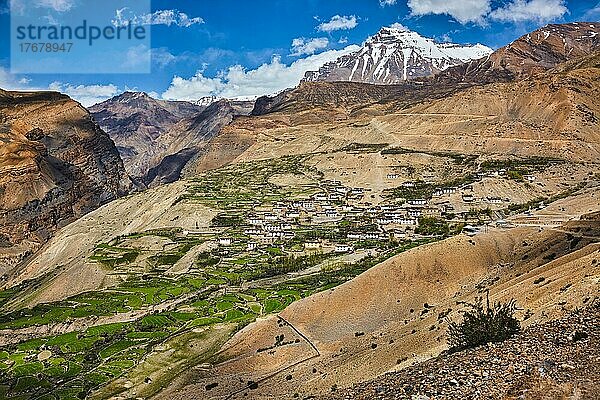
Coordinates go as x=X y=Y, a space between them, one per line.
x=395 y=55
x=56 y=165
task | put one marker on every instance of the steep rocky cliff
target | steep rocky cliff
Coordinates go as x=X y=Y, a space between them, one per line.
x=188 y=140
x=136 y=122
x=56 y=164
x=156 y=138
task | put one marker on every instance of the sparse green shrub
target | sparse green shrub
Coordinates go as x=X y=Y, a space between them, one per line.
x=225 y=220
x=432 y=226
x=483 y=324
x=515 y=175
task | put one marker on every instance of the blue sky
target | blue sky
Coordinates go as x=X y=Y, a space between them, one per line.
x=253 y=47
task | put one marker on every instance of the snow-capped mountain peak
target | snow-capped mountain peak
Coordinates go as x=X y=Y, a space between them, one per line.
x=395 y=54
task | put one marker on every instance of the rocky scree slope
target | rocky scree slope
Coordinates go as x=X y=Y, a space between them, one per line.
x=556 y=360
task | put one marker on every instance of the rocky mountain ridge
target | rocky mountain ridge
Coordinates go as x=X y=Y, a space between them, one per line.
x=156 y=138
x=135 y=121
x=531 y=54
x=56 y=165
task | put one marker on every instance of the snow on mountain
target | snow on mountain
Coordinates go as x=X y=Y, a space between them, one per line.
x=394 y=55
x=206 y=101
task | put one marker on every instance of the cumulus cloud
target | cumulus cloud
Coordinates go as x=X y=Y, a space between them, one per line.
x=9 y=81
x=533 y=10
x=302 y=46
x=137 y=57
x=463 y=11
x=480 y=11
x=338 y=22
x=384 y=3
x=399 y=26
x=124 y=16
x=87 y=95
x=162 y=57
x=238 y=82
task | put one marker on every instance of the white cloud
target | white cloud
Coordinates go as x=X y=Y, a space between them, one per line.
x=267 y=79
x=302 y=46
x=9 y=81
x=56 y=5
x=338 y=22
x=162 y=57
x=86 y=95
x=445 y=38
x=384 y=3
x=533 y=10
x=137 y=56
x=16 y=7
x=399 y=26
x=463 y=11
x=51 y=20
x=124 y=16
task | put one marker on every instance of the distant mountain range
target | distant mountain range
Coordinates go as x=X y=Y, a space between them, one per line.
x=157 y=137
x=395 y=55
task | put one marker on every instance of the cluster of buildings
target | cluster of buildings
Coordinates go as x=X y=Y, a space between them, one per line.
x=362 y=221
x=327 y=208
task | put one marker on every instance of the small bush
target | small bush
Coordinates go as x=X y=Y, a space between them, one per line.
x=483 y=324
